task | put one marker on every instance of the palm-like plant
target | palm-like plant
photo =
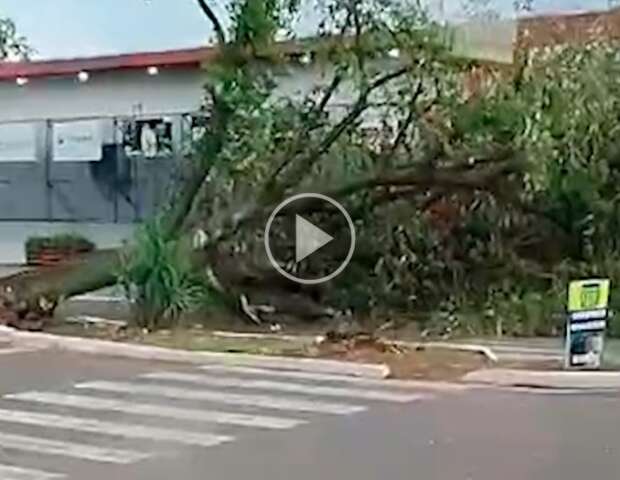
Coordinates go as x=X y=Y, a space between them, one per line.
x=158 y=277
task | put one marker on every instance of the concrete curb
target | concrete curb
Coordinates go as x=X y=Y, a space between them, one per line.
x=461 y=347
x=41 y=341
x=262 y=336
x=550 y=380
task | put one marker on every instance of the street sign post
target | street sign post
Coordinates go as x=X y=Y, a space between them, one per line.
x=586 y=323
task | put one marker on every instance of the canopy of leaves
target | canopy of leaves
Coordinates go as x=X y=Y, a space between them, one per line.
x=12 y=45
x=420 y=165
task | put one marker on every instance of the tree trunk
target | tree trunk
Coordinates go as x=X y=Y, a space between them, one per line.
x=29 y=297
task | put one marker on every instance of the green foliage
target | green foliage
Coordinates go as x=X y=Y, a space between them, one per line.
x=499 y=118
x=563 y=113
x=456 y=251
x=255 y=23
x=522 y=311
x=572 y=139
x=11 y=43
x=158 y=276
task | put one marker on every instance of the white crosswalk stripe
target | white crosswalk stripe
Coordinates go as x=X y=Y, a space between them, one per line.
x=8 y=472
x=80 y=451
x=195 y=415
x=331 y=377
x=263 y=401
x=109 y=428
x=288 y=387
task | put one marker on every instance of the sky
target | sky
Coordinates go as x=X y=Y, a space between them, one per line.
x=70 y=28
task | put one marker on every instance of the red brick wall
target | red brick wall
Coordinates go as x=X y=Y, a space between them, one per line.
x=548 y=30
x=572 y=29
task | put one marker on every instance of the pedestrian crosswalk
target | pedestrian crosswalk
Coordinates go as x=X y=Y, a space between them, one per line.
x=162 y=411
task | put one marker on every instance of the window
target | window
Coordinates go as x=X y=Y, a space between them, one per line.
x=148 y=137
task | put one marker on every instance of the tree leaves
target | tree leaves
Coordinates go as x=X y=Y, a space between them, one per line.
x=12 y=45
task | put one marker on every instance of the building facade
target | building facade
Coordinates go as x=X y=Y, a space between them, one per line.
x=95 y=139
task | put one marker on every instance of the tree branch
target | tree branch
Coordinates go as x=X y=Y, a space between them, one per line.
x=476 y=177
x=176 y=217
x=401 y=183
x=402 y=132
x=444 y=177
x=217 y=25
x=358 y=49
x=305 y=163
x=291 y=153
x=329 y=93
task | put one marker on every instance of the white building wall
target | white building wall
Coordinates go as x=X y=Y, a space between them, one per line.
x=121 y=93
x=298 y=81
x=105 y=94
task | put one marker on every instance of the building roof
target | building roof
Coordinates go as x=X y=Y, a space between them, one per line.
x=189 y=57
x=531 y=31
x=192 y=57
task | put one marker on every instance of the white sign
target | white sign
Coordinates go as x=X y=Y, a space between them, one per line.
x=18 y=142
x=79 y=141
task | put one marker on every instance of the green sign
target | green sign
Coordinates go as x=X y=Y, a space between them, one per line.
x=586 y=322
x=590 y=294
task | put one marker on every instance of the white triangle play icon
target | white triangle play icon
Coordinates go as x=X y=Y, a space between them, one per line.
x=308 y=238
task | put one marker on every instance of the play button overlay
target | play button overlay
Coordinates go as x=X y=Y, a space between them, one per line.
x=310 y=238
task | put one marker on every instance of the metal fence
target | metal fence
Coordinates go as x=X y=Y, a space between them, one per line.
x=99 y=169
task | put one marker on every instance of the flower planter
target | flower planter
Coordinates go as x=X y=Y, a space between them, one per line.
x=49 y=251
x=50 y=256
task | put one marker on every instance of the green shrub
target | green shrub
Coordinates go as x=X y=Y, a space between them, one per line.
x=158 y=278
x=530 y=313
x=64 y=241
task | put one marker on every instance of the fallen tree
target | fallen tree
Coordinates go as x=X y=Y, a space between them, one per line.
x=258 y=148
x=452 y=194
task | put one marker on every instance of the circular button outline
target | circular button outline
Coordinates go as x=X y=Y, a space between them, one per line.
x=345 y=262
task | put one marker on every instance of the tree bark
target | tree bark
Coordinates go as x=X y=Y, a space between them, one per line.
x=28 y=297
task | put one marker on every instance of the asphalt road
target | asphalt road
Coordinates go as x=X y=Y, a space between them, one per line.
x=74 y=417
